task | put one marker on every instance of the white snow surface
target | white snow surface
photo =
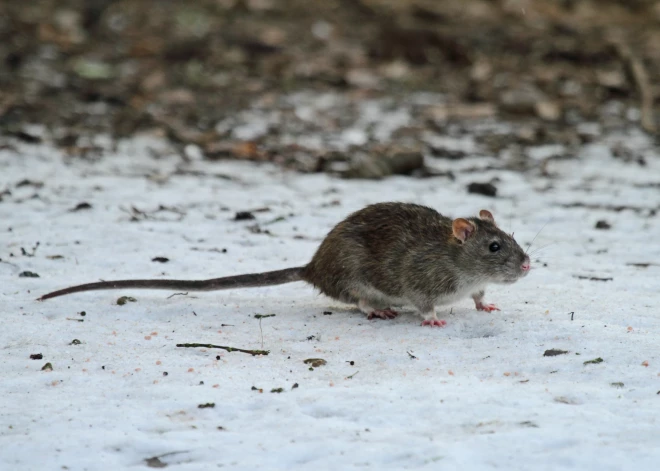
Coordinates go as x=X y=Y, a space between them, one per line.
x=477 y=394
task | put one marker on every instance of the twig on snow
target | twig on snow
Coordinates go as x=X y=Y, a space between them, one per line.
x=229 y=349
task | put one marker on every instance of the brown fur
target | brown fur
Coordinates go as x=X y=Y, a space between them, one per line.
x=391 y=252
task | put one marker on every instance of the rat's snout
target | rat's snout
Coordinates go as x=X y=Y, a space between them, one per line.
x=526 y=265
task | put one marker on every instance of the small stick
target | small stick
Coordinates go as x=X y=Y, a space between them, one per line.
x=261 y=316
x=262 y=333
x=9 y=263
x=177 y=294
x=641 y=78
x=229 y=349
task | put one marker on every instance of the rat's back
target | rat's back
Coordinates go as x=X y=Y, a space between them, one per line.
x=381 y=245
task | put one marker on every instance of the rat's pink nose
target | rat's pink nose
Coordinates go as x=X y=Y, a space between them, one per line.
x=526 y=265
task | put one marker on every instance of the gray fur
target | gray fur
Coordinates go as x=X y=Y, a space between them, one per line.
x=398 y=253
x=382 y=255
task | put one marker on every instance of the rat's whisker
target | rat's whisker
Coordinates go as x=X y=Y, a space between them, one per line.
x=541 y=248
x=537 y=234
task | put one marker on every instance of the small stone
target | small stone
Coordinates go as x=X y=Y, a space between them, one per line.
x=486 y=189
x=613 y=79
x=93 y=70
x=243 y=216
x=521 y=101
x=315 y=362
x=602 y=224
x=322 y=30
x=554 y=352
x=362 y=78
x=548 y=110
x=125 y=299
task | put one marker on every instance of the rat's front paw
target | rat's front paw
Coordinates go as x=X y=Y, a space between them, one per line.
x=382 y=314
x=486 y=307
x=434 y=322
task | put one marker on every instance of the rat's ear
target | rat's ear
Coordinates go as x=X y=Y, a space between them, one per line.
x=487 y=215
x=462 y=229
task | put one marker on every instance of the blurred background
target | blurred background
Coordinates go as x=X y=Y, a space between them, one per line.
x=361 y=88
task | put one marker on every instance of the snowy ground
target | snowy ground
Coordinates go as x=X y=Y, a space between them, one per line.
x=478 y=394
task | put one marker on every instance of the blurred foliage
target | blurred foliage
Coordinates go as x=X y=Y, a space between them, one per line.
x=119 y=66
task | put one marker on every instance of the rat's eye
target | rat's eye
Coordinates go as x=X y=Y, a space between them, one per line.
x=494 y=247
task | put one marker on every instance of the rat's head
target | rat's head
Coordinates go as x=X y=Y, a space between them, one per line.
x=487 y=252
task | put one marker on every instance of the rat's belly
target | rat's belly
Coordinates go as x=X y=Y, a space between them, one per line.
x=378 y=297
x=462 y=292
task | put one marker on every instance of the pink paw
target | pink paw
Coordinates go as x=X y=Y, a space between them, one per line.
x=434 y=322
x=487 y=307
x=382 y=314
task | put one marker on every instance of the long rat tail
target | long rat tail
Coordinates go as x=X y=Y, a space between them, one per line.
x=250 y=280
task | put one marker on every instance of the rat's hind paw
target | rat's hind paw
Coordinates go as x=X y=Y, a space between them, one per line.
x=382 y=314
x=434 y=322
x=486 y=307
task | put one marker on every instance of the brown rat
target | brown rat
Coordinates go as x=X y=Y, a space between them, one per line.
x=382 y=255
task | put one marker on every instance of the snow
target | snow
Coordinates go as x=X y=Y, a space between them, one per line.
x=477 y=394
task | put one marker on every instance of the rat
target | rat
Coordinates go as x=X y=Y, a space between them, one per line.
x=384 y=255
